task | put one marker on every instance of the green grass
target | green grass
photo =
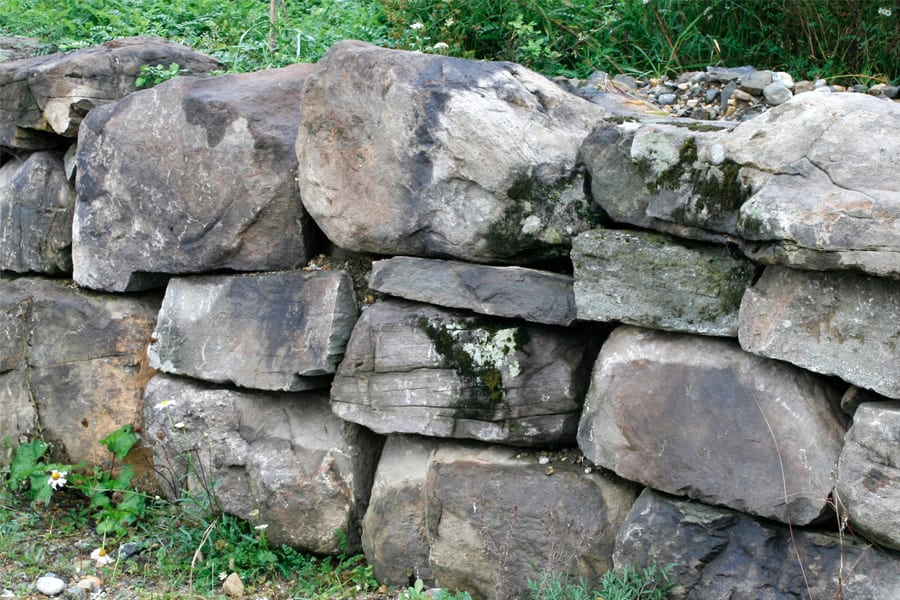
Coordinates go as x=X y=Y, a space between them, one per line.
x=837 y=39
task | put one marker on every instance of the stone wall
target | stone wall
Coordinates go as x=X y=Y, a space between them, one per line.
x=478 y=326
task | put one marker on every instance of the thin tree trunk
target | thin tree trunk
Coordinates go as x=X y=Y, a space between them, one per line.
x=273 y=15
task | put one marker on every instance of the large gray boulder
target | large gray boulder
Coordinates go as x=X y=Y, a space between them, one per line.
x=192 y=175
x=484 y=519
x=798 y=184
x=276 y=331
x=833 y=323
x=427 y=155
x=654 y=280
x=276 y=459
x=697 y=416
x=37 y=202
x=415 y=368
x=43 y=99
x=868 y=484
x=72 y=364
x=516 y=292
x=719 y=553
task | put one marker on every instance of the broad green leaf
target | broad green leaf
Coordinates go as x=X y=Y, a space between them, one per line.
x=25 y=461
x=121 y=441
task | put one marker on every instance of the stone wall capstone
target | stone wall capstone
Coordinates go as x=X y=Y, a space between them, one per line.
x=544 y=321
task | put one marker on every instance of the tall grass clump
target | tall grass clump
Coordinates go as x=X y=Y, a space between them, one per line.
x=809 y=38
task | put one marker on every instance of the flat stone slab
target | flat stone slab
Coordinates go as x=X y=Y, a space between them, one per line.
x=699 y=417
x=417 y=368
x=833 y=323
x=276 y=331
x=655 y=280
x=483 y=518
x=868 y=485
x=719 y=553
x=516 y=292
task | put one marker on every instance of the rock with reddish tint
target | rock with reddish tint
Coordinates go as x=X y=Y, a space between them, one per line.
x=72 y=364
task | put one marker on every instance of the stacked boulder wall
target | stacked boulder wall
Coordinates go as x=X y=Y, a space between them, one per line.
x=37 y=202
x=192 y=175
x=272 y=331
x=43 y=99
x=486 y=519
x=698 y=417
x=427 y=155
x=416 y=368
x=273 y=458
x=842 y=324
x=719 y=553
x=795 y=186
x=72 y=364
x=868 y=485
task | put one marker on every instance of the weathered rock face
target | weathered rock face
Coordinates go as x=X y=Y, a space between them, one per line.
x=834 y=323
x=665 y=175
x=36 y=206
x=72 y=364
x=278 y=331
x=699 y=417
x=479 y=518
x=13 y=47
x=141 y=210
x=414 y=368
x=655 y=281
x=824 y=197
x=868 y=482
x=516 y=292
x=407 y=153
x=284 y=455
x=718 y=553
x=797 y=181
x=44 y=97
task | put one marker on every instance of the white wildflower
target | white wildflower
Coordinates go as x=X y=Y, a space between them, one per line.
x=884 y=12
x=100 y=557
x=57 y=479
x=417 y=26
x=164 y=404
x=441 y=46
x=261 y=527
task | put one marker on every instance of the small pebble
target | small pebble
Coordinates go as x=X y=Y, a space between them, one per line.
x=233 y=586
x=777 y=93
x=50 y=585
x=667 y=99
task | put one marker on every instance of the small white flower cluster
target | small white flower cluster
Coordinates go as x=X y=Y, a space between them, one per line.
x=884 y=12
